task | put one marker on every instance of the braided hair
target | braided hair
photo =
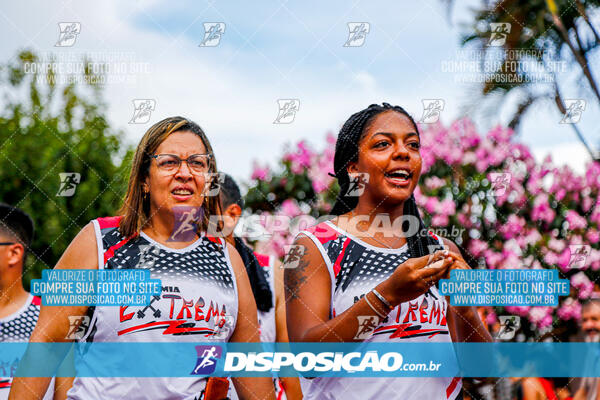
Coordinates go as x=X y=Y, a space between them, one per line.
x=346 y=152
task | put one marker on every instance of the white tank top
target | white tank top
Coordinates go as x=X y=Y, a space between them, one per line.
x=18 y=327
x=266 y=319
x=355 y=268
x=199 y=291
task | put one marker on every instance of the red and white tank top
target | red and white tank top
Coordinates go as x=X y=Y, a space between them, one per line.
x=198 y=303
x=355 y=268
x=18 y=327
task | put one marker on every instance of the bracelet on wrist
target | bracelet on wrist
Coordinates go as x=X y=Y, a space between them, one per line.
x=382 y=299
x=382 y=316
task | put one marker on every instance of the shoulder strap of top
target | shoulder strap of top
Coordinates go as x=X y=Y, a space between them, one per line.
x=108 y=237
x=264 y=260
x=321 y=235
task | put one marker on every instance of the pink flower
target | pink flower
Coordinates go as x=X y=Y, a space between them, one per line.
x=304 y=154
x=592 y=175
x=564 y=259
x=468 y=158
x=551 y=258
x=582 y=283
x=500 y=134
x=299 y=159
x=518 y=310
x=493 y=259
x=534 y=183
x=319 y=174
x=541 y=316
x=560 y=194
x=319 y=186
x=513 y=226
x=570 y=309
x=595 y=217
x=541 y=209
x=510 y=259
x=434 y=182
x=259 y=173
x=587 y=203
x=531 y=237
x=593 y=236
x=575 y=220
x=420 y=198
x=477 y=247
x=556 y=245
x=491 y=318
x=464 y=220
x=546 y=321
x=330 y=138
x=447 y=207
x=439 y=220
x=290 y=208
x=431 y=204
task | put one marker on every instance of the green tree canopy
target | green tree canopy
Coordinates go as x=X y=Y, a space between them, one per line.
x=46 y=130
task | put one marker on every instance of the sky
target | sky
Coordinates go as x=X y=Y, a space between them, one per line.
x=282 y=50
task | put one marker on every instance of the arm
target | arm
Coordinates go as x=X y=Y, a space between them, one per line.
x=53 y=322
x=61 y=387
x=308 y=291
x=532 y=390
x=464 y=323
x=581 y=394
x=291 y=385
x=246 y=330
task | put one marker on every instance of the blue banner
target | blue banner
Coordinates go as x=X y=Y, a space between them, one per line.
x=307 y=359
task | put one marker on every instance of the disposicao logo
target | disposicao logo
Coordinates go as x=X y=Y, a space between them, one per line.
x=207 y=359
x=319 y=362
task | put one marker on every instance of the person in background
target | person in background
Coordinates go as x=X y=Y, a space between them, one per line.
x=19 y=310
x=589 y=388
x=266 y=278
x=537 y=388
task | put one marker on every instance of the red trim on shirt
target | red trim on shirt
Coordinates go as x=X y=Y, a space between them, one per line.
x=213 y=239
x=36 y=301
x=337 y=266
x=323 y=232
x=108 y=254
x=433 y=235
x=548 y=387
x=281 y=389
x=452 y=386
x=109 y=222
x=263 y=259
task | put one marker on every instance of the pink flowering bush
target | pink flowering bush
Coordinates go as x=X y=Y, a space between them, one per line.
x=485 y=192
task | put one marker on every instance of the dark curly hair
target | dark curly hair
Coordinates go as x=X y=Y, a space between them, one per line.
x=346 y=152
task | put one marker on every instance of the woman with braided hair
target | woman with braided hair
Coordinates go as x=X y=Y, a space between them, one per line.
x=360 y=279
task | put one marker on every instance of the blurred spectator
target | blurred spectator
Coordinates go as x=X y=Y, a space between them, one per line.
x=589 y=388
x=536 y=388
x=19 y=310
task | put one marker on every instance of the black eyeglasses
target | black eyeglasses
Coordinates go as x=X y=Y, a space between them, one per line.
x=7 y=243
x=170 y=163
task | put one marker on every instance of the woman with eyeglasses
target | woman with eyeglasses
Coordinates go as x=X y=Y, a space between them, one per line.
x=162 y=225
